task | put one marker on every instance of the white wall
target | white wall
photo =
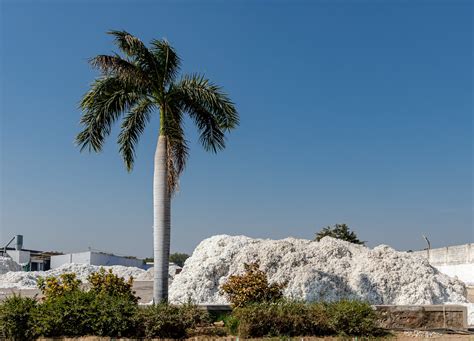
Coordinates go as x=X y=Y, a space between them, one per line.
x=106 y=259
x=79 y=258
x=454 y=261
x=94 y=258
x=450 y=255
x=19 y=256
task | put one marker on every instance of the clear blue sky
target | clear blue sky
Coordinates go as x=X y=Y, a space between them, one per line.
x=351 y=112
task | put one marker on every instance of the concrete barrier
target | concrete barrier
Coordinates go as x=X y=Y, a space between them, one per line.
x=449 y=255
x=422 y=317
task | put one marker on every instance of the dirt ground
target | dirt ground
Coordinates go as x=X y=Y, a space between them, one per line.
x=395 y=336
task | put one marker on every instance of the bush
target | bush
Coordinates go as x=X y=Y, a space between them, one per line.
x=81 y=313
x=170 y=321
x=106 y=283
x=290 y=318
x=52 y=287
x=251 y=287
x=352 y=318
x=231 y=324
x=16 y=318
x=284 y=318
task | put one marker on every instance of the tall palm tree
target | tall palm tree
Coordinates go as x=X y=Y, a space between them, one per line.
x=137 y=84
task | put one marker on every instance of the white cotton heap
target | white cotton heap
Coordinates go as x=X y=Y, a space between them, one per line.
x=316 y=271
x=7 y=264
x=28 y=280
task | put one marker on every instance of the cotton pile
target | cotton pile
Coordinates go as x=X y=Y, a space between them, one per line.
x=7 y=264
x=328 y=270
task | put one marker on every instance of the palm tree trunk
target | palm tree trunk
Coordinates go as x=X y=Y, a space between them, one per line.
x=161 y=222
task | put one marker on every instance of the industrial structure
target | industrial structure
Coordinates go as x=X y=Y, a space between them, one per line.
x=96 y=258
x=30 y=260
x=34 y=260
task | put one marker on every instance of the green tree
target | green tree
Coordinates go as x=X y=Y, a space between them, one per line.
x=178 y=258
x=135 y=85
x=339 y=231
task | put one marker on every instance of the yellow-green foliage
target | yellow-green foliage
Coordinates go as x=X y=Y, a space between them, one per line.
x=52 y=287
x=105 y=282
x=251 y=287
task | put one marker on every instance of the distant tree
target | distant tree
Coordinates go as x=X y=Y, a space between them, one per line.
x=339 y=231
x=178 y=258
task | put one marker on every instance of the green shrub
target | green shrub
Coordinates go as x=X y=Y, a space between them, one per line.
x=290 y=318
x=81 y=313
x=231 y=324
x=284 y=318
x=16 y=318
x=106 y=283
x=170 y=321
x=52 y=287
x=352 y=318
x=251 y=287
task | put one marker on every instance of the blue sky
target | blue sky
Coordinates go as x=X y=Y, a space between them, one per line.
x=351 y=112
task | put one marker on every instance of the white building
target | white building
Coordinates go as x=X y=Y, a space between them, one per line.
x=95 y=258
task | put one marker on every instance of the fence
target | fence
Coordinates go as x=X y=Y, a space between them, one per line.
x=449 y=255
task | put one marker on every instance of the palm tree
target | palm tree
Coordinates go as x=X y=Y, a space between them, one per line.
x=137 y=84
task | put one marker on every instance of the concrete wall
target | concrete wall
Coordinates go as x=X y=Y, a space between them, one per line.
x=106 y=259
x=422 y=317
x=19 y=256
x=94 y=258
x=79 y=258
x=450 y=255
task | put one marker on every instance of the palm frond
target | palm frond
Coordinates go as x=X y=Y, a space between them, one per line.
x=177 y=144
x=121 y=68
x=168 y=59
x=133 y=125
x=210 y=108
x=107 y=99
x=211 y=98
x=136 y=49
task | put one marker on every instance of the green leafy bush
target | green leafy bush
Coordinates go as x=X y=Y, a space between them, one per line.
x=16 y=321
x=107 y=283
x=284 y=318
x=231 y=324
x=251 y=287
x=170 y=321
x=352 y=318
x=81 y=313
x=52 y=287
x=290 y=318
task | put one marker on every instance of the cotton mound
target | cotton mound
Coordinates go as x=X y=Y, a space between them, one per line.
x=327 y=270
x=7 y=264
x=25 y=280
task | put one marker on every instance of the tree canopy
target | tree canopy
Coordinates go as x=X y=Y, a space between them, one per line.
x=339 y=231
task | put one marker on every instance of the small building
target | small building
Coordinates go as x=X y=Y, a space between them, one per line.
x=29 y=260
x=96 y=258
